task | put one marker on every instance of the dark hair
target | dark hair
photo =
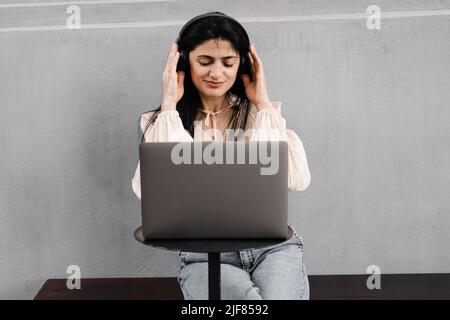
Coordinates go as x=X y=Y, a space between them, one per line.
x=200 y=31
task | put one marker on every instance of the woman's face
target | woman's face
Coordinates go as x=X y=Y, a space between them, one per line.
x=214 y=62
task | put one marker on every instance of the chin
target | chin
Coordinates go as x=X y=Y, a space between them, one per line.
x=215 y=92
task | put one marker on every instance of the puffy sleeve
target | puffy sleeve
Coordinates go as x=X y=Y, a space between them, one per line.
x=167 y=127
x=270 y=125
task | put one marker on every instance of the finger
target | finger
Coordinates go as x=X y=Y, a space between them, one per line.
x=257 y=60
x=174 y=62
x=181 y=75
x=171 y=53
x=245 y=78
x=254 y=56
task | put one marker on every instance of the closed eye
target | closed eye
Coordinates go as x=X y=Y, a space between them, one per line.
x=207 y=63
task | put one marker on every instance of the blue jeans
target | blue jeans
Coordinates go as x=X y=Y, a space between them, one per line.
x=274 y=273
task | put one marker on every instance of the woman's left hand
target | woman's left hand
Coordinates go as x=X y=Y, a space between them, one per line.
x=256 y=90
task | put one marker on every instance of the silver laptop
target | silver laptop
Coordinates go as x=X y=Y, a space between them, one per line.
x=214 y=190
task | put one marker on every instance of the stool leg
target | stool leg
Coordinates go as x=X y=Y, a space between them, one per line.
x=214 y=275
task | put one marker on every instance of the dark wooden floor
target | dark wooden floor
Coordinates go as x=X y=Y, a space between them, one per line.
x=322 y=287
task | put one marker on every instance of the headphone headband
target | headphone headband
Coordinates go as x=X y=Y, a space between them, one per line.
x=211 y=14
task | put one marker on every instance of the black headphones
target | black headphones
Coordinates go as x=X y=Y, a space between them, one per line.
x=183 y=61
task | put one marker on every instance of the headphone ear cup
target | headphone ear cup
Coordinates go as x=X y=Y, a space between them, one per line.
x=182 y=64
x=244 y=67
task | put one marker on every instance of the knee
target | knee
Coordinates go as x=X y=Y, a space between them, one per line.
x=293 y=290
x=237 y=284
x=193 y=281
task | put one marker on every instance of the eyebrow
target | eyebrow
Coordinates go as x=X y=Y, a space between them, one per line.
x=209 y=57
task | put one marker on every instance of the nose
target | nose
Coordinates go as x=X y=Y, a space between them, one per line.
x=216 y=70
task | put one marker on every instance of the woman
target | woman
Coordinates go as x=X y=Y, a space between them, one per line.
x=221 y=85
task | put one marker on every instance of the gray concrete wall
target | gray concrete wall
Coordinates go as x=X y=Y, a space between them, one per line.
x=371 y=107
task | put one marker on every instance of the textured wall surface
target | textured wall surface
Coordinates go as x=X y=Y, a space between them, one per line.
x=371 y=107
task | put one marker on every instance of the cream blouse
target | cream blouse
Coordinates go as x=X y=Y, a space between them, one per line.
x=265 y=124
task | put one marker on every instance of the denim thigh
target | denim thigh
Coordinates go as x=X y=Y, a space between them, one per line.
x=279 y=271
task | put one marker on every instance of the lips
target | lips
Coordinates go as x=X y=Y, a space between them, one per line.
x=214 y=84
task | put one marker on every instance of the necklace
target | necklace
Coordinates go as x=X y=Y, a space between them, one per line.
x=212 y=116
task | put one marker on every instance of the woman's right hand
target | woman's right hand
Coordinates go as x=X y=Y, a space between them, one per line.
x=173 y=88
